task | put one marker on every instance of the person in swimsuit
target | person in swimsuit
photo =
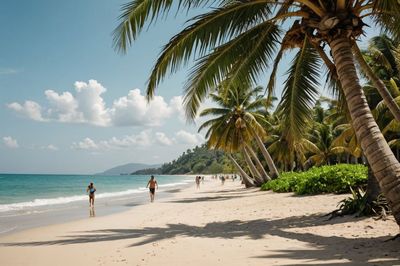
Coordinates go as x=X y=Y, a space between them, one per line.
x=91 y=189
x=152 y=185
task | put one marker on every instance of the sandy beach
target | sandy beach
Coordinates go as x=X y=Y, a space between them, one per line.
x=215 y=225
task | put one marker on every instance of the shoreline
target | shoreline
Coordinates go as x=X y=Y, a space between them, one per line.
x=215 y=225
x=15 y=221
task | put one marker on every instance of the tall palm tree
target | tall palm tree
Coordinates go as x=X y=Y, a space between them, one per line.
x=241 y=108
x=239 y=38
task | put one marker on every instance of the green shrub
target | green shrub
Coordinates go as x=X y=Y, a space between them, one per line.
x=325 y=179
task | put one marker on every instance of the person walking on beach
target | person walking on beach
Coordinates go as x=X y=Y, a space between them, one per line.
x=91 y=189
x=198 y=182
x=152 y=185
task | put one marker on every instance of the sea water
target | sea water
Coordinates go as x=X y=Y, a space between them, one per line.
x=28 y=200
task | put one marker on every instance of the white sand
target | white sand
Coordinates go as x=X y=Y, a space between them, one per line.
x=216 y=225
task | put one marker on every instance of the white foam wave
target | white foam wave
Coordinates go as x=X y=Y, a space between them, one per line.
x=64 y=200
x=8 y=230
x=173 y=184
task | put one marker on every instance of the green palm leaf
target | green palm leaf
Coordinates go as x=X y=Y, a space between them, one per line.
x=385 y=13
x=206 y=32
x=238 y=62
x=300 y=92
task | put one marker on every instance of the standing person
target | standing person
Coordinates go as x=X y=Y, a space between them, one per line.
x=91 y=189
x=222 y=180
x=197 y=182
x=152 y=185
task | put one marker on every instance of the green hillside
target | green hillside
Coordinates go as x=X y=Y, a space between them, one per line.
x=199 y=160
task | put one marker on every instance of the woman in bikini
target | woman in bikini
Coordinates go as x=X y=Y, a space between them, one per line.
x=91 y=189
x=152 y=185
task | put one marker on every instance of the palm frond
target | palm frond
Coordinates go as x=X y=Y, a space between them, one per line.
x=385 y=15
x=300 y=92
x=238 y=62
x=215 y=111
x=272 y=78
x=207 y=31
x=136 y=13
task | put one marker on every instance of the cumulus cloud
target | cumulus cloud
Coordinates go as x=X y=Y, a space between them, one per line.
x=144 y=138
x=185 y=137
x=86 y=105
x=29 y=109
x=176 y=104
x=133 y=109
x=163 y=139
x=86 y=144
x=10 y=142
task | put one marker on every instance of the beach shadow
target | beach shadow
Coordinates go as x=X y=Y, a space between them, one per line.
x=205 y=199
x=358 y=251
x=233 y=191
x=173 y=190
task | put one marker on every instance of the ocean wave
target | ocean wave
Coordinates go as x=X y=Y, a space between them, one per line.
x=64 y=200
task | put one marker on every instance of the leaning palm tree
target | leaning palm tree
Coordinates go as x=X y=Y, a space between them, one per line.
x=239 y=38
x=226 y=134
x=243 y=107
x=381 y=55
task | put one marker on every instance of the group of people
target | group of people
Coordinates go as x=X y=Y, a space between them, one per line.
x=224 y=177
x=152 y=185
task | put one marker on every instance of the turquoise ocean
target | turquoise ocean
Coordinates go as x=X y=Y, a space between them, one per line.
x=29 y=200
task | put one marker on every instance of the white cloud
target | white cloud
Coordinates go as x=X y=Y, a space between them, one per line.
x=29 y=109
x=176 y=104
x=142 y=139
x=50 y=147
x=163 y=139
x=134 y=109
x=86 y=144
x=185 y=137
x=86 y=105
x=10 y=142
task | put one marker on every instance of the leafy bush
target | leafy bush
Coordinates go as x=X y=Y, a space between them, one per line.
x=325 y=179
x=359 y=205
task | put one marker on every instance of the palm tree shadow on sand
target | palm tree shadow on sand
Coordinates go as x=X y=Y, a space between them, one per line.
x=358 y=251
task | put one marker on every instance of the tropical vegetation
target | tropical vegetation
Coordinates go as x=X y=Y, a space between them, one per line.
x=236 y=42
x=340 y=178
x=198 y=160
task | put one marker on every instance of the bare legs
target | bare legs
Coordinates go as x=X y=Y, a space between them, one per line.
x=91 y=201
x=152 y=196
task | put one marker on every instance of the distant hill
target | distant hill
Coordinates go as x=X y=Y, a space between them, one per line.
x=199 y=160
x=128 y=168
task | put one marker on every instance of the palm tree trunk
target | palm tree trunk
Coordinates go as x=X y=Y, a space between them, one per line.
x=373 y=189
x=253 y=169
x=381 y=158
x=264 y=174
x=379 y=85
x=267 y=156
x=246 y=178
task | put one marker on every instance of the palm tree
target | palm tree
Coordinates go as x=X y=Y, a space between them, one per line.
x=381 y=54
x=246 y=178
x=242 y=107
x=238 y=39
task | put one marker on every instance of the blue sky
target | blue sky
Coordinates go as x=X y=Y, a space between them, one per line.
x=70 y=104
